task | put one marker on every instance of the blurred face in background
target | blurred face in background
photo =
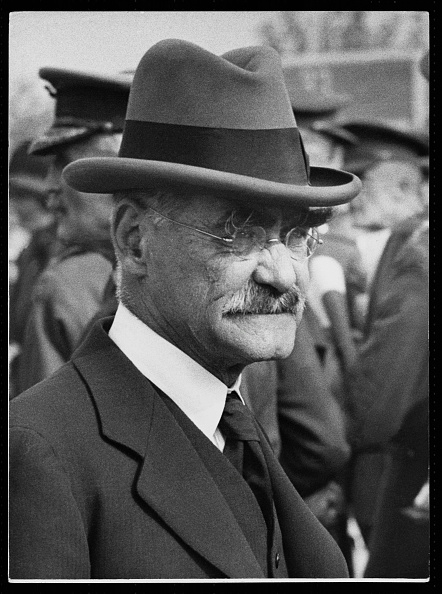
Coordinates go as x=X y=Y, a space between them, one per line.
x=391 y=192
x=30 y=205
x=80 y=217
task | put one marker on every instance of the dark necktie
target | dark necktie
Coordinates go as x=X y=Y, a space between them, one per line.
x=243 y=449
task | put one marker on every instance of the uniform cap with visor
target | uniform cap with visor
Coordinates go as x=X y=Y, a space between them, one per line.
x=378 y=141
x=86 y=103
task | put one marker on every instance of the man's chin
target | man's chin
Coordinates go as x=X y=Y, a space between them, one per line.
x=262 y=337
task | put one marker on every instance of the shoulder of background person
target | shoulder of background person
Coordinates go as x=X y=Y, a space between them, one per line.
x=76 y=274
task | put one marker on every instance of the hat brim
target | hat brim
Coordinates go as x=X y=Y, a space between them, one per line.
x=107 y=175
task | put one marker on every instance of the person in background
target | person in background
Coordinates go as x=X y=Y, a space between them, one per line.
x=389 y=161
x=27 y=188
x=31 y=242
x=390 y=393
x=31 y=231
x=145 y=462
x=391 y=387
x=337 y=268
x=382 y=149
x=326 y=341
x=89 y=118
x=328 y=315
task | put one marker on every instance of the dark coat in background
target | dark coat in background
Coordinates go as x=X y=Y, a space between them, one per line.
x=306 y=427
x=304 y=423
x=67 y=294
x=30 y=263
x=105 y=484
x=389 y=396
x=314 y=447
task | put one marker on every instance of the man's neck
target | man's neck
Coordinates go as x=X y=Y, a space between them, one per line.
x=226 y=373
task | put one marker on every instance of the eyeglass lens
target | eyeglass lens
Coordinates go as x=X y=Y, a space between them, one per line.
x=300 y=243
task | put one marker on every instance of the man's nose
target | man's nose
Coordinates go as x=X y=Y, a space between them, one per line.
x=276 y=267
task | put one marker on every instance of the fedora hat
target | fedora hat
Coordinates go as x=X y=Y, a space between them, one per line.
x=86 y=103
x=199 y=123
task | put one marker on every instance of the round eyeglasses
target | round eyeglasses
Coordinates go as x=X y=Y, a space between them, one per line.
x=300 y=242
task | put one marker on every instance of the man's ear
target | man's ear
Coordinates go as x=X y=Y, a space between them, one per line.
x=127 y=219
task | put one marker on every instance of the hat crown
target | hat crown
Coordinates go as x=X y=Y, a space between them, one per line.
x=180 y=83
x=198 y=122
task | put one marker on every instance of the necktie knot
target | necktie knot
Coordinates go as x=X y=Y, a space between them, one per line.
x=237 y=421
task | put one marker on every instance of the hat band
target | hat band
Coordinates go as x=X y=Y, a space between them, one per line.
x=271 y=154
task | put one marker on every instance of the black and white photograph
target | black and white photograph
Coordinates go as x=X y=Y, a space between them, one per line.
x=218 y=296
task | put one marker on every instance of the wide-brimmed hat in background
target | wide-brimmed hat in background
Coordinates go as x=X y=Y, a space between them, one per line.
x=335 y=132
x=85 y=103
x=313 y=104
x=378 y=141
x=198 y=122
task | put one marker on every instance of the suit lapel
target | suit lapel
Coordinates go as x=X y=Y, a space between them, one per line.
x=310 y=551
x=177 y=485
x=173 y=480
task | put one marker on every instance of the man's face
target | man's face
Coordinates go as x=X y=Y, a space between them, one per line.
x=391 y=192
x=194 y=285
x=79 y=216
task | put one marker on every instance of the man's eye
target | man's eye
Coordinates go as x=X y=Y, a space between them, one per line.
x=296 y=232
x=245 y=232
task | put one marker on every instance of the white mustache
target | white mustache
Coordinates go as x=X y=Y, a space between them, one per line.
x=263 y=299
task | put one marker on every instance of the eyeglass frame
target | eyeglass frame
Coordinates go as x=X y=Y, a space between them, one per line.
x=230 y=240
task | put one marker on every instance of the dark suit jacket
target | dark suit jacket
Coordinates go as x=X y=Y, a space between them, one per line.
x=390 y=379
x=105 y=484
x=314 y=448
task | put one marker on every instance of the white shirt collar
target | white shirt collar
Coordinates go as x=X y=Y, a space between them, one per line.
x=198 y=393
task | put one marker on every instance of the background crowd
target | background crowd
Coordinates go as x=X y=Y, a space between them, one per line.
x=347 y=411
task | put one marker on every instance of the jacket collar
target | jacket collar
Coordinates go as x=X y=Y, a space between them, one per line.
x=172 y=477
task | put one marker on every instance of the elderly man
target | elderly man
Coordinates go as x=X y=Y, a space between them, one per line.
x=89 y=118
x=138 y=458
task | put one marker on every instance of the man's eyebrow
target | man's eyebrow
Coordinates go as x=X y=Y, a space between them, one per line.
x=314 y=217
x=240 y=214
x=304 y=218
